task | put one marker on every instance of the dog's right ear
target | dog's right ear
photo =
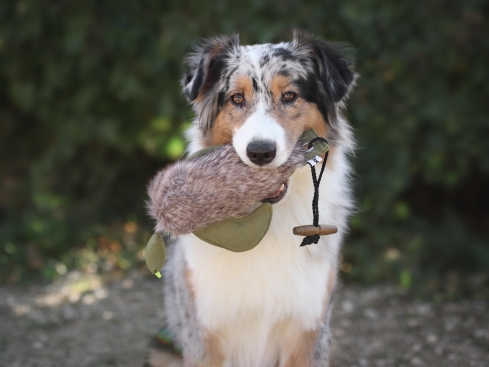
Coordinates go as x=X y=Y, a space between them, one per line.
x=207 y=65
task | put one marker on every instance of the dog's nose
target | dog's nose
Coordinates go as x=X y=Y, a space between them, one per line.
x=261 y=152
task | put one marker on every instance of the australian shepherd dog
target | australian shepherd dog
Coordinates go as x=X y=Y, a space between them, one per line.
x=269 y=306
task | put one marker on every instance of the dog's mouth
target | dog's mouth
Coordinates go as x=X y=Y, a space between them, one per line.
x=276 y=196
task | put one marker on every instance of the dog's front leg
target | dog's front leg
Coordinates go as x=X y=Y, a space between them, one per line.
x=300 y=350
x=323 y=345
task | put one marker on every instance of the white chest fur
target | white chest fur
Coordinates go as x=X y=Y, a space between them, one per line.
x=244 y=296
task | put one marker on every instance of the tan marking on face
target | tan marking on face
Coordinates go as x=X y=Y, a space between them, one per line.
x=214 y=354
x=222 y=130
x=231 y=117
x=301 y=349
x=279 y=85
x=297 y=117
x=314 y=120
x=242 y=84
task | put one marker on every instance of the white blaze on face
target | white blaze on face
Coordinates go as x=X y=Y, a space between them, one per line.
x=261 y=127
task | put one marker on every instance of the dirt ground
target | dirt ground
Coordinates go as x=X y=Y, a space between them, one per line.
x=86 y=321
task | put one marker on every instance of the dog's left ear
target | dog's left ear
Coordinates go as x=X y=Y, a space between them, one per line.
x=333 y=67
x=207 y=64
x=203 y=84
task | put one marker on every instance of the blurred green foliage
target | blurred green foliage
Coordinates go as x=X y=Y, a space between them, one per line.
x=90 y=107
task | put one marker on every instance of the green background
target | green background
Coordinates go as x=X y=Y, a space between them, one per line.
x=90 y=108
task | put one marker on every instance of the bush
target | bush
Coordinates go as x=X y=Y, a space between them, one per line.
x=90 y=107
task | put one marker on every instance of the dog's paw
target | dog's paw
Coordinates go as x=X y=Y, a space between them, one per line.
x=163 y=358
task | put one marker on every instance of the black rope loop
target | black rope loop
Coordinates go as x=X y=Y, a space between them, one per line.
x=308 y=240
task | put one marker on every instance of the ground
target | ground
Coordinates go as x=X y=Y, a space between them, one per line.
x=85 y=321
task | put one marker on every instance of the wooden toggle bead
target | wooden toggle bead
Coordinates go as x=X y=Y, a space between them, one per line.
x=322 y=230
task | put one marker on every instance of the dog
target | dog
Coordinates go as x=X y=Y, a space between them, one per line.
x=269 y=306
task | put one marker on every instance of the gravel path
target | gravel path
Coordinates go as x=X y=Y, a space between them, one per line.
x=87 y=321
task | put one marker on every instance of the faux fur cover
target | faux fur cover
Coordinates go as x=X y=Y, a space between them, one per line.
x=192 y=194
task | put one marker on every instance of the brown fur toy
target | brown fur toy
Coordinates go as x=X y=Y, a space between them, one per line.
x=192 y=194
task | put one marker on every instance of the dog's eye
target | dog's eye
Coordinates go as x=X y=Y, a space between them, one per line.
x=289 y=96
x=237 y=98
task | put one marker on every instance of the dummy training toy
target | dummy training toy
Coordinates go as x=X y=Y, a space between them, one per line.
x=219 y=199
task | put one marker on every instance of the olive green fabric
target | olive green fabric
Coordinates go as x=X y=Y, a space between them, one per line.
x=236 y=234
x=155 y=253
x=239 y=234
x=319 y=148
x=204 y=151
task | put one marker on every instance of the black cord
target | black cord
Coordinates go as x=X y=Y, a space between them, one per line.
x=315 y=200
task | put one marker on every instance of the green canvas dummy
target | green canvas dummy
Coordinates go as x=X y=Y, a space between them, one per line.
x=233 y=234
x=239 y=234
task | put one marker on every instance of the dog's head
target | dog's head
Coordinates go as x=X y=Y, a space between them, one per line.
x=261 y=98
